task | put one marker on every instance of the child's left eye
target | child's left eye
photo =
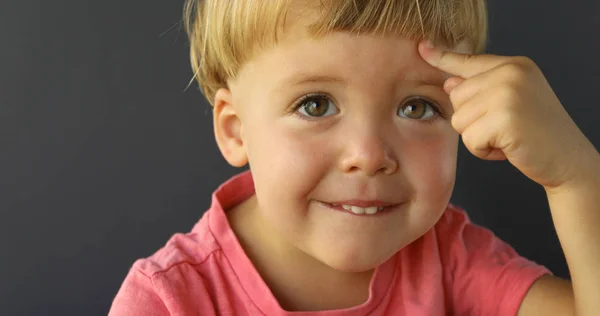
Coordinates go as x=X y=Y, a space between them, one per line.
x=316 y=105
x=418 y=109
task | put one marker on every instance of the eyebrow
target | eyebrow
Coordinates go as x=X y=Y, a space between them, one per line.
x=428 y=79
x=308 y=78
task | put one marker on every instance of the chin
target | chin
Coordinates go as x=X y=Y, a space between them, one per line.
x=354 y=268
x=354 y=261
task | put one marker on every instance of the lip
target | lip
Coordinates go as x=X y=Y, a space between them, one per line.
x=364 y=203
x=387 y=208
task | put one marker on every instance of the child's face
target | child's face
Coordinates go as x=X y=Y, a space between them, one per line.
x=362 y=142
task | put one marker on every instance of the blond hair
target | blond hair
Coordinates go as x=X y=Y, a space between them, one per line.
x=223 y=34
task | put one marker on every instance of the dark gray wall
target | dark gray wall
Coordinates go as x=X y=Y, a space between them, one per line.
x=103 y=155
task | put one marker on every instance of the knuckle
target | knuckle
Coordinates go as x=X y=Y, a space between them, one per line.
x=462 y=92
x=468 y=58
x=468 y=138
x=454 y=99
x=455 y=121
x=514 y=72
x=524 y=61
x=525 y=64
x=456 y=96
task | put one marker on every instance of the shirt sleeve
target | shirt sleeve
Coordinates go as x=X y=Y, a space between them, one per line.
x=137 y=296
x=485 y=276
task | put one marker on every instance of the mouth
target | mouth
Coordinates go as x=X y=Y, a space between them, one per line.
x=363 y=208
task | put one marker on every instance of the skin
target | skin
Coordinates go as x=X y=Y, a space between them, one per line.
x=364 y=149
x=506 y=110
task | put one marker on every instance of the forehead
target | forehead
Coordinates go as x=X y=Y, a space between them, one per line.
x=345 y=58
x=298 y=57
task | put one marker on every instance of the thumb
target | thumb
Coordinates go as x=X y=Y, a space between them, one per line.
x=458 y=64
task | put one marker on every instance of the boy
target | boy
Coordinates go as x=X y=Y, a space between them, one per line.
x=350 y=128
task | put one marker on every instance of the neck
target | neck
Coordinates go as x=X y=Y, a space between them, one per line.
x=298 y=281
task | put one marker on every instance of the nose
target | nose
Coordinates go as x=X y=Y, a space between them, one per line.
x=368 y=153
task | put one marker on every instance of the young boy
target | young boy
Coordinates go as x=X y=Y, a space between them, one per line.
x=350 y=125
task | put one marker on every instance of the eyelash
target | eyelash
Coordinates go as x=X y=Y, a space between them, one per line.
x=300 y=102
x=439 y=113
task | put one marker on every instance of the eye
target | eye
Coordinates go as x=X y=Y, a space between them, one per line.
x=315 y=105
x=419 y=109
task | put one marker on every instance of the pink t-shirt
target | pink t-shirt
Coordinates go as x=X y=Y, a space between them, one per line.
x=455 y=268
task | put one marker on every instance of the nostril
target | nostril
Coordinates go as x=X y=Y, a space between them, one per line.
x=354 y=169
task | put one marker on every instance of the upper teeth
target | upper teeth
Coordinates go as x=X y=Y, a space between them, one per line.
x=362 y=210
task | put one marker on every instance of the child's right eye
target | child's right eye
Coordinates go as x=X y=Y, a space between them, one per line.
x=315 y=105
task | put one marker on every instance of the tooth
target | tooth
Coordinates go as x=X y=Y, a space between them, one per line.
x=380 y=208
x=357 y=210
x=371 y=210
x=347 y=207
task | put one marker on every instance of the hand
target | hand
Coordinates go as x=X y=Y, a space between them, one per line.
x=505 y=109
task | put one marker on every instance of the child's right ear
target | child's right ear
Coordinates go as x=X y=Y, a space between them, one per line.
x=228 y=129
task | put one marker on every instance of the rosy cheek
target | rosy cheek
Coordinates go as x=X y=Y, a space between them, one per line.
x=289 y=157
x=432 y=166
x=302 y=152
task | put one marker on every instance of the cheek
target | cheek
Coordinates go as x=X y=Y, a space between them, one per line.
x=286 y=161
x=286 y=167
x=430 y=165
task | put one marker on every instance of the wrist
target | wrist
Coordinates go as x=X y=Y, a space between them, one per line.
x=585 y=175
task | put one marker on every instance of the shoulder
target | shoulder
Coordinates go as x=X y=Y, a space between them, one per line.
x=173 y=279
x=193 y=248
x=453 y=216
x=482 y=267
x=460 y=238
x=455 y=222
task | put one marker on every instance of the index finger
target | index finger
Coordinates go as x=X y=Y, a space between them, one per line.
x=459 y=64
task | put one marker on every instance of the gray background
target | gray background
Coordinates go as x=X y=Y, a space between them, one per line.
x=103 y=155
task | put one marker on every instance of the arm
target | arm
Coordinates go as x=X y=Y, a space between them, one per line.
x=484 y=274
x=505 y=109
x=575 y=208
x=137 y=296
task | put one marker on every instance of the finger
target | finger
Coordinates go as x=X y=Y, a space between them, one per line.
x=479 y=138
x=467 y=115
x=495 y=154
x=458 y=64
x=452 y=83
x=470 y=88
x=462 y=93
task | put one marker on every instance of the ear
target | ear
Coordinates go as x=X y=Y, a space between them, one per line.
x=229 y=131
